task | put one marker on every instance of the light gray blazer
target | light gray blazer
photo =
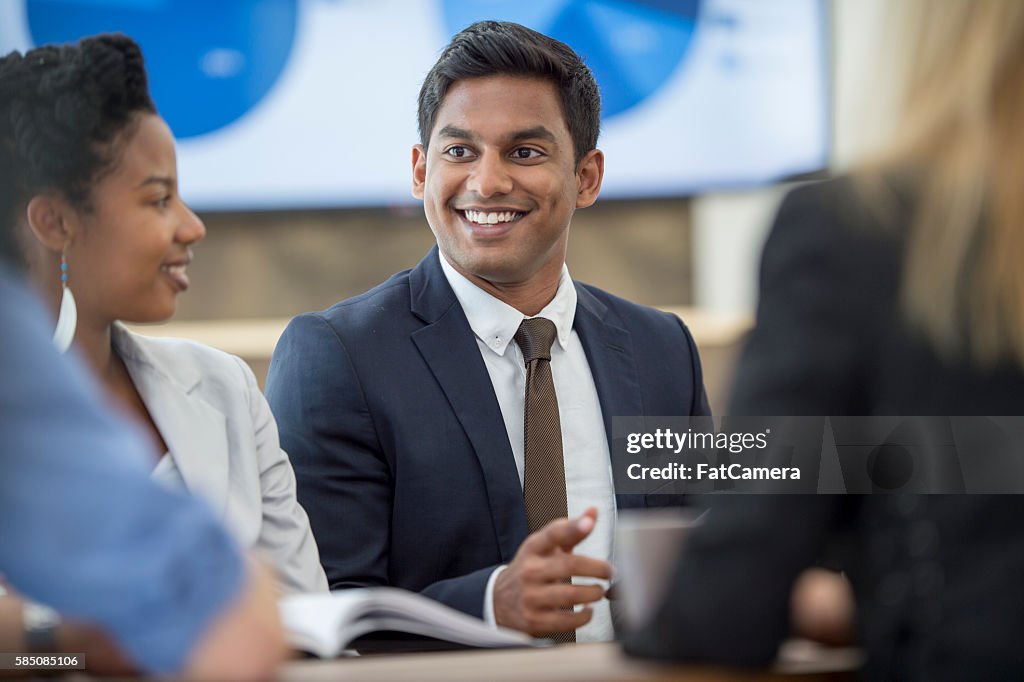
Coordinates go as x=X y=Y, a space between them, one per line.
x=223 y=440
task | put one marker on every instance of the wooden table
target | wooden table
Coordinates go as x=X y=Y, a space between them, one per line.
x=579 y=663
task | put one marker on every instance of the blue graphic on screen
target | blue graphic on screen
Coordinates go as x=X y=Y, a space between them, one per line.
x=632 y=46
x=209 y=63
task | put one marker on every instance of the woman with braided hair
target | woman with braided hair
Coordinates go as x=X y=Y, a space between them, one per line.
x=89 y=190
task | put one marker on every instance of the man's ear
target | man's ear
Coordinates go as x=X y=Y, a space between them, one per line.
x=50 y=220
x=419 y=170
x=589 y=175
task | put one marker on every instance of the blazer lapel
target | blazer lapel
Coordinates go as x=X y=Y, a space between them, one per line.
x=609 y=350
x=195 y=431
x=449 y=348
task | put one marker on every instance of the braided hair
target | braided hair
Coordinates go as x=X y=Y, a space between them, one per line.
x=63 y=109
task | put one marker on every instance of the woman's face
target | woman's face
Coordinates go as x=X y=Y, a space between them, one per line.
x=127 y=256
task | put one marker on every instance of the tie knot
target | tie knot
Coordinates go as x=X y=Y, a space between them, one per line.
x=535 y=337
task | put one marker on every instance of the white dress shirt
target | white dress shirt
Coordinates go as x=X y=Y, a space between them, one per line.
x=588 y=479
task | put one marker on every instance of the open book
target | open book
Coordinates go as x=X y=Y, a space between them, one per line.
x=325 y=624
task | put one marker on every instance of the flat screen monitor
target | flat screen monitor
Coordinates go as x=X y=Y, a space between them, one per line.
x=286 y=104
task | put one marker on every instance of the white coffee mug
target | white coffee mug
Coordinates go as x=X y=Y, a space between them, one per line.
x=648 y=544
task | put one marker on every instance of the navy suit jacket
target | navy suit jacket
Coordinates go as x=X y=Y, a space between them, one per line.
x=387 y=411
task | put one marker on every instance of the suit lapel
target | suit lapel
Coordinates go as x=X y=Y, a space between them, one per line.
x=195 y=431
x=609 y=350
x=449 y=348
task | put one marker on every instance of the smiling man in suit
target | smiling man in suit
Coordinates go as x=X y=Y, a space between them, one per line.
x=444 y=424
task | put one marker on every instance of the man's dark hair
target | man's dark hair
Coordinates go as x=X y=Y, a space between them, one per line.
x=62 y=109
x=500 y=48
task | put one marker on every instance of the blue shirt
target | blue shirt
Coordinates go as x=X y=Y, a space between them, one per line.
x=83 y=529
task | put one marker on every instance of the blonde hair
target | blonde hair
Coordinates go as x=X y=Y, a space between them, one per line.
x=961 y=137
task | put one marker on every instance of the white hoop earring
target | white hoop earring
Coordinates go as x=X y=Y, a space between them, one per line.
x=67 y=319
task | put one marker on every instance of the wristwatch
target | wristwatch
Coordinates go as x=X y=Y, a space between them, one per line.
x=40 y=623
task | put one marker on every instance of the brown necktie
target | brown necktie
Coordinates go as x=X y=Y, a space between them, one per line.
x=543 y=468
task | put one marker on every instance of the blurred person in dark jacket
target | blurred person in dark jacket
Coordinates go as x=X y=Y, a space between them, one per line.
x=894 y=291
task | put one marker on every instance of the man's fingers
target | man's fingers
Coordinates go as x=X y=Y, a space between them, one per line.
x=588 y=567
x=561 y=534
x=561 y=595
x=545 y=623
x=558 y=567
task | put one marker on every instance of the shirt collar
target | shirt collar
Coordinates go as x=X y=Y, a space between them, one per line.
x=495 y=322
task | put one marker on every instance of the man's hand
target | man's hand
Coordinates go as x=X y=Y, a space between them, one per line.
x=530 y=594
x=102 y=655
x=822 y=608
x=246 y=641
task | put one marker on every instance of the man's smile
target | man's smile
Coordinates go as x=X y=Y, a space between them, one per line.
x=491 y=217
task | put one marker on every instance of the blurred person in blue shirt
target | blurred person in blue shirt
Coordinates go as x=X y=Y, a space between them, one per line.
x=86 y=531
x=106 y=238
x=147 y=579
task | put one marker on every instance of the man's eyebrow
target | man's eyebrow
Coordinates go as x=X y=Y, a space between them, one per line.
x=537 y=132
x=534 y=133
x=453 y=131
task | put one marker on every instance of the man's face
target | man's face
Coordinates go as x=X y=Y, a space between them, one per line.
x=499 y=183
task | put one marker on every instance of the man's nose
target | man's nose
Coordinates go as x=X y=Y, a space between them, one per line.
x=490 y=176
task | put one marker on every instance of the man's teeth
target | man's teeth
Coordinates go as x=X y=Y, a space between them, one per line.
x=173 y=269
x=491 y=218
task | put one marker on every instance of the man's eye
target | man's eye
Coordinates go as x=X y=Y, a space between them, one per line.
x=526 y=153
x=163 y=201
x=458 y=152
